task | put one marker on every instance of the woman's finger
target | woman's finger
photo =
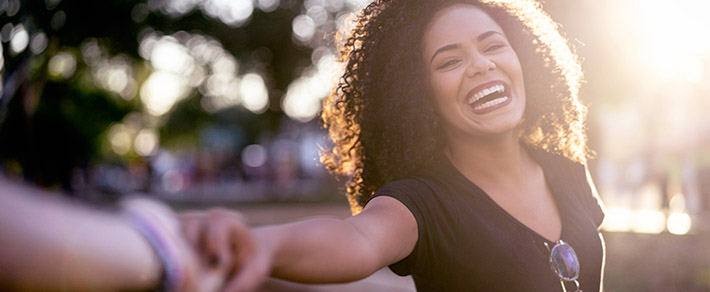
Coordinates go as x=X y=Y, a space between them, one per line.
x=244 y=245
x=192 y=229
x=249 y=277
x=219 y=247
x=252 y=268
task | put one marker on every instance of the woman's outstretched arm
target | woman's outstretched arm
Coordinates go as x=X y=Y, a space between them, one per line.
x=319 y=250
x=333 y=250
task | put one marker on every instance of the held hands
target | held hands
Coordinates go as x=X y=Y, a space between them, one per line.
x=201 y=251
x=184 y=267
x=223 y=241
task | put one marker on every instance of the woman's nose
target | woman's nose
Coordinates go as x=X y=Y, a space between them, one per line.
x=480 y=66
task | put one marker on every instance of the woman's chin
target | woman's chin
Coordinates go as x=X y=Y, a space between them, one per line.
x=497 y=131
x=486 y=131
x=500 y=124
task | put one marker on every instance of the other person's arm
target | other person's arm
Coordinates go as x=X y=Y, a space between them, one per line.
x=50 y=244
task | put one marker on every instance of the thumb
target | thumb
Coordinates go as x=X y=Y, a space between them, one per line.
x=249 y=277
x=253 y=264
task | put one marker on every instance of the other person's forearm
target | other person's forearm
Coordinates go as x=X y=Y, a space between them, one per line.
x=47 y=244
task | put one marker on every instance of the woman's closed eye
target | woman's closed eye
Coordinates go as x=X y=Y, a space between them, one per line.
x=448 y=64
x=494 y=47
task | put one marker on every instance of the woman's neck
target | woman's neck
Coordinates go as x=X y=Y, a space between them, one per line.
x=493 y=159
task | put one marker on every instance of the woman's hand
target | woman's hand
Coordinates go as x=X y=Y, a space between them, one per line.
x=224 y=241
x=183 y=268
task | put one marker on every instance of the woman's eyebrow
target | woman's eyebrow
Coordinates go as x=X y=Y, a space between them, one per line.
x=487 y=34
x=449 y=47
x=444 y=49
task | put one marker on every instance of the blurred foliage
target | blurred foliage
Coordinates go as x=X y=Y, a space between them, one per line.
x=54 y=124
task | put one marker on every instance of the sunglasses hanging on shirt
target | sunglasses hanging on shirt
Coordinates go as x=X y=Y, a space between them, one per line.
x=564 y=263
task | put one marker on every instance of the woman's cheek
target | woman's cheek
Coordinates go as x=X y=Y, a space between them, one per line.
x=447 y=86
x=445 y=92
x=443 y=96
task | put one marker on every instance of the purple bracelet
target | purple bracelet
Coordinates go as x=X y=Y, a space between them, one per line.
x=145 y=217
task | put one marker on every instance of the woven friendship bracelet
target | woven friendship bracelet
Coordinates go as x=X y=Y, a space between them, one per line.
x=155 y=223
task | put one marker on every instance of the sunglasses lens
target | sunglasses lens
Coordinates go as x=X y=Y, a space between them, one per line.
x=564 y=261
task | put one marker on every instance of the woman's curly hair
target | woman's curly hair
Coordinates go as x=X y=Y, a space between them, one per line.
x=378 y=117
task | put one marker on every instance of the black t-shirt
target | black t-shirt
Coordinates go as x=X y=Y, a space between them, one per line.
x=469 y=243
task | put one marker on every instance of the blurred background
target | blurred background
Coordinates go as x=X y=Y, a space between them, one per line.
x=214 y=102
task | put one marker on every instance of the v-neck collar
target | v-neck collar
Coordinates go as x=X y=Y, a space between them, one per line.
x=542 y=158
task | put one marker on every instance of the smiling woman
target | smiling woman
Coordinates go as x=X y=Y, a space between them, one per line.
x=372 y=146
x=460 y=130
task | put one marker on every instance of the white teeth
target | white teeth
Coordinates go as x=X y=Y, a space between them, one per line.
x=491 y=103
x=485 y=92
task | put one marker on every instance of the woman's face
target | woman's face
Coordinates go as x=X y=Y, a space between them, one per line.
x=474 y=74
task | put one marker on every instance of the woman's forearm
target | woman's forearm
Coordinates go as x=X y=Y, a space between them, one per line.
x=321 y=250
x=49 y=244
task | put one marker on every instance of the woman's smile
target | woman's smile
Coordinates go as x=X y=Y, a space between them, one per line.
x=488 y=97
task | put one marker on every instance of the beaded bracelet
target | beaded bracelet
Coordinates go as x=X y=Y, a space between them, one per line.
x=159 y=227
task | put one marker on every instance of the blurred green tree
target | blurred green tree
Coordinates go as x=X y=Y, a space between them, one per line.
x=72 y=69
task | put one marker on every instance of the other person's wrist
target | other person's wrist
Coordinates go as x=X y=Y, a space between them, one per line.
x=160 y=228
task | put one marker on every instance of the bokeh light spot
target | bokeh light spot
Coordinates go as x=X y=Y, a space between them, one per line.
x=146 y=142
x=58 y=20
x=38 y=43
x=171 y=56
x=19 y=39
x=255 y=96
x=120 y=139
x=62 y=65
x=6 y=32
x=161 y=91
x=254 y=155
x=303 y=28
x=268 y=5
x=649 y=221
x=679 y=223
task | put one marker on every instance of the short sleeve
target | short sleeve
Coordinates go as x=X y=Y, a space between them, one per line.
x=574 y=177
x=594 y=202
x=411 y=193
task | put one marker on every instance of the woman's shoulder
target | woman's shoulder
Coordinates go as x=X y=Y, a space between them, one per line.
x=419 y=188
x=556 y=163
x=410 y=187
